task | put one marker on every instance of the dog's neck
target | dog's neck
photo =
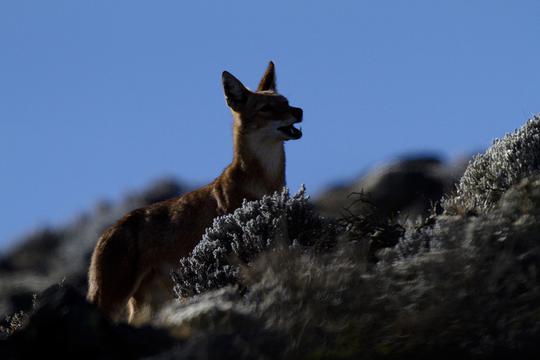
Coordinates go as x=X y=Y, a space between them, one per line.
x=260 y=160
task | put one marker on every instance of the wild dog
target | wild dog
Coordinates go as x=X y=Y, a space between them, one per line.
x=131 y=263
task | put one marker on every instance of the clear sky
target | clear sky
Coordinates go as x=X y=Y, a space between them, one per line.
x=98 y=98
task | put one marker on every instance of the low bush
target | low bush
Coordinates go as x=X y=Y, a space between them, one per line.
x=236 y=239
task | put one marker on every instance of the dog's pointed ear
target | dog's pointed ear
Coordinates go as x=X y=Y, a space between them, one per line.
x=236 y=93
x=268 y=80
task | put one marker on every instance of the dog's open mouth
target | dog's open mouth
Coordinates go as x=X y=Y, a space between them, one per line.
x=291 y=132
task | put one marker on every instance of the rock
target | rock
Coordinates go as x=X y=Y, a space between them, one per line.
x=410 y=186
x=64 y=325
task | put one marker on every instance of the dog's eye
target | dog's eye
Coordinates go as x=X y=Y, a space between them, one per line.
x=266 y=108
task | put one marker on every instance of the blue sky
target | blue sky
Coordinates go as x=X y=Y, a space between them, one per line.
x=98 y=98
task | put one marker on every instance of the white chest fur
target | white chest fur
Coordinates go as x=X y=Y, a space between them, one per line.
x=270 y=155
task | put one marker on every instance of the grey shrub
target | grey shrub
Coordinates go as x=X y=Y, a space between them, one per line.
x=489 y=175
x=236 y=239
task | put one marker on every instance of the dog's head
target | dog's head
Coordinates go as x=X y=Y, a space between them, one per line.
x=262 y=112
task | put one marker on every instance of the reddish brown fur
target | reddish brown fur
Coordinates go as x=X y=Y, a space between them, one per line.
x=132 y=259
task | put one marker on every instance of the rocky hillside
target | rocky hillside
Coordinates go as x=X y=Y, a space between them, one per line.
x=389 y=272
x=61 y=255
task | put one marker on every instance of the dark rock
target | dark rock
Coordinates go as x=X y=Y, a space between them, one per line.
x=33 y=252
x=162 y=190
x=23 y=299
x=410 y=186
x=64 y=325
